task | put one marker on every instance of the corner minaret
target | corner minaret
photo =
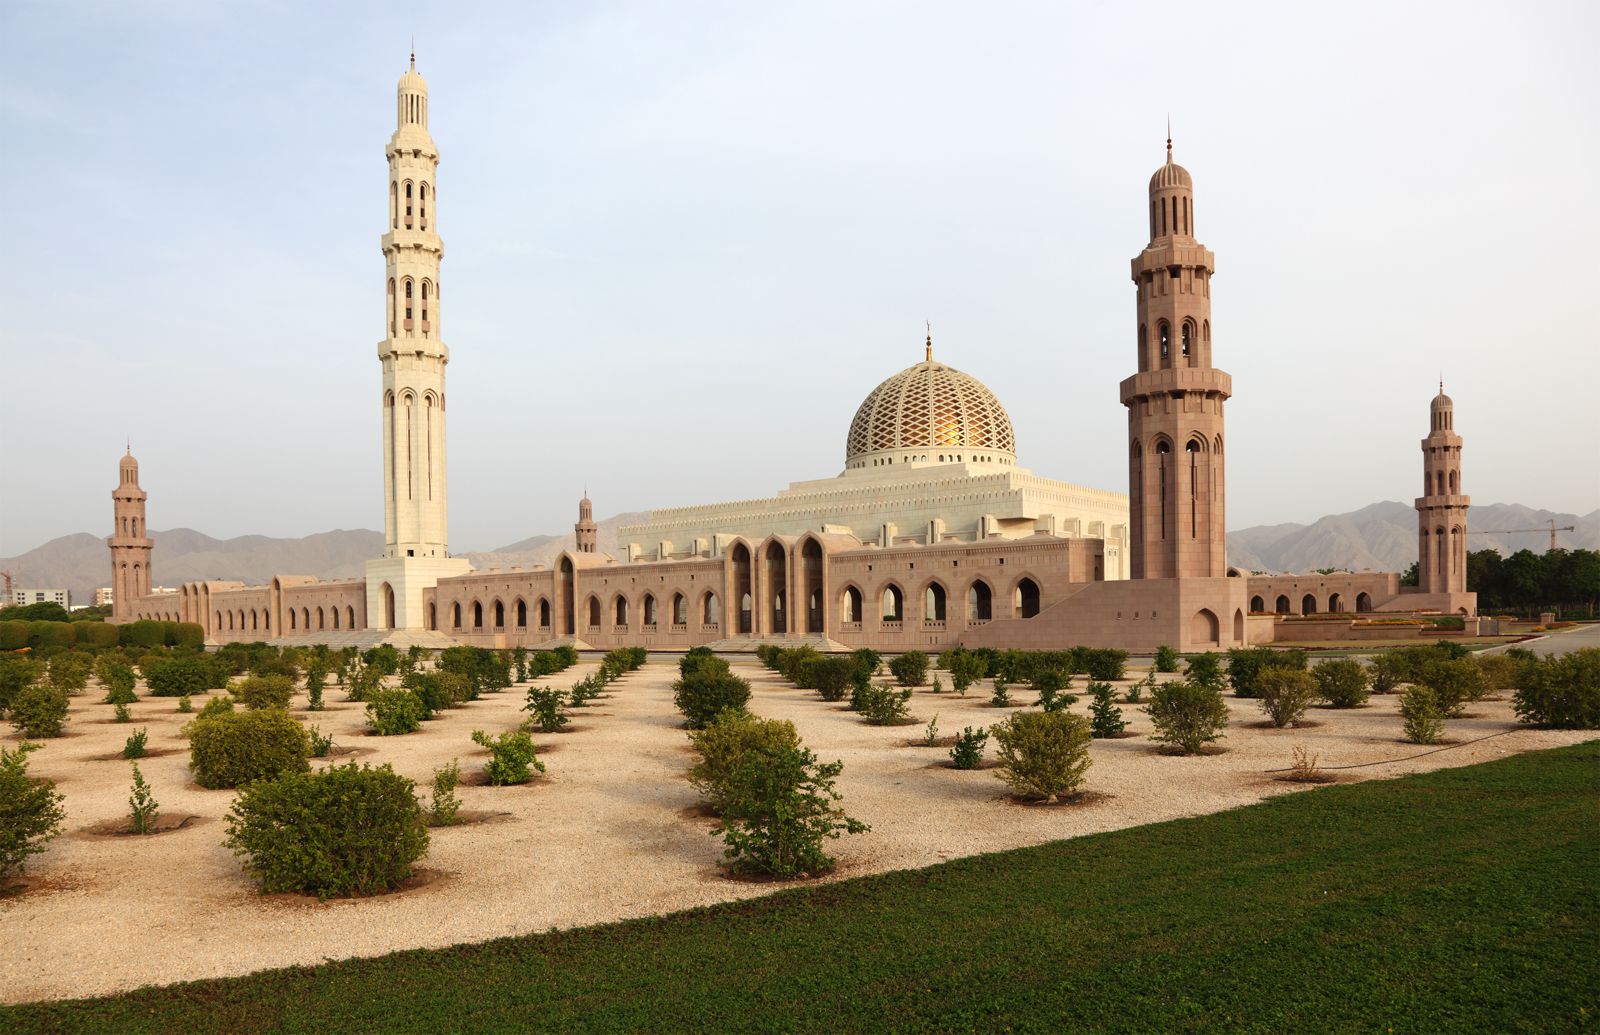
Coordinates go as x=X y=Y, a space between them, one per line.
x=129 y=541
x=587 y=532
x=1442 y=509
x=413 y=356
x=1175 y=435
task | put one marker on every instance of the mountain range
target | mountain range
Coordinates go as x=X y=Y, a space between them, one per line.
x=1380 y=537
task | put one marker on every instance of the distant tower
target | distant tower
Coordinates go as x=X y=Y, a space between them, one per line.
x=1442 y=509
x=585 y=528
x=413 y=355
x=1175 y=442
x=129 y=541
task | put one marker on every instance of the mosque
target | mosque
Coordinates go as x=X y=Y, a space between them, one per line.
x=932 y=535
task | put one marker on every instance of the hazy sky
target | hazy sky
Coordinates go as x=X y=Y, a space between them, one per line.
x=684 y=240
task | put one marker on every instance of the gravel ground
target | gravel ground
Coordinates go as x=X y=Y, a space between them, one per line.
x=609 y=832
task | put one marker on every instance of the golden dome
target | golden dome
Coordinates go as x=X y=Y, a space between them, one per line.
x=935 y=407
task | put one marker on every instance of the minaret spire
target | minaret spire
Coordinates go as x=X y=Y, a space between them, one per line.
x=1169 y=138
x=929 y=353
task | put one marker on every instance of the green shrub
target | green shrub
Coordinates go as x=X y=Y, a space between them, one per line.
x=1000 y=696
x=703 y=693
x=693 y=658
x=968 y=751
x=798 y=664
x=1424 y=718
x=216 y=706
x=1246 y=663
x=910 y=668
x=1285 y=694
x=270 y=662
x=937 y=686
x=117 y=677
x=70 y=672
x=832 y=677
x=1104 y=663
x=144 y=810
x=439 y=690
x=321 y=743
x=1389 y=670
x=1563 y=692
x=767 y=654
x=16 y=673
x=344 y=830
x=1105 y=718
x=268 y=691
x=134 y=746
x=548 y=707
x=40 y=711
x=1167 y=659
x=394 y=712
x=1049 y=684
x=1341 y=682
x=966 y=668
x=883 y=705
x=178 y=674
x=1043 y=754
x=383 y=659
x=781 y=809
x=1452 y=650
x=867 y=661
x=724 y=742
x=1455 y=682
x=184 y=706
x=235 y=748
x=1137 y=691
x=1187 y=714
x=511 y=757
x=1205 y=669
x=445 y=807
x=30 y=810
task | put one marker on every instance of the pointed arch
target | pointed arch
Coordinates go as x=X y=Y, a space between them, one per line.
x=680 y=609
x=477 y=614
x=647 y=610
x=934 y=600
x=594 y=611
x=522 y=613
x=1257 y=605
x=710 y=610
x=850 y=604
x=499 y=614
x=1204 y=628
x=894 y=603
x=980 y=601
x=1025 y=597
x=544 y=613
x=1308 y=604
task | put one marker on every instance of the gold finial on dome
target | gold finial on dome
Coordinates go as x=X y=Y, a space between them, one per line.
x=1169 y=138
x=928 y=356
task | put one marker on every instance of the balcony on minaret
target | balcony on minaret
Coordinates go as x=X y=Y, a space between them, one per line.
x=1176 y=379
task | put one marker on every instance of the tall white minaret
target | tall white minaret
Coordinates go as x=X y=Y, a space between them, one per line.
x=413 y=355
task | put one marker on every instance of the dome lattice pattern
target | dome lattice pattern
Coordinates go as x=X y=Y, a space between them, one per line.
x=930 y=405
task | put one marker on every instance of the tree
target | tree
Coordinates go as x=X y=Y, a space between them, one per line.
x=44 y=611
x=1409 y=576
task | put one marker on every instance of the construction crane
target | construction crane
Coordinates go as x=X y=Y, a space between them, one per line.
x=1517 y=531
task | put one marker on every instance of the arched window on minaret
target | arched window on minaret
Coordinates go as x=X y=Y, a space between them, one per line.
x=1193 y=447
x=1152 y=219
x=1186 y=228
x=1163 y=220
x=394 y=205
x=422 y=206
x=407 y=324
x=393 y=302
x=408 y=204
x=425 y=308
x=1164 y=460
x=1164 y=333
x=1188 y=342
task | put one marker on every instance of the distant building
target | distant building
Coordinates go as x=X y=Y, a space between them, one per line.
x=19 y=597
x=103 y=596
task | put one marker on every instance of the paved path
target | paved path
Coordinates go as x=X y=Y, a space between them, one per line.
x=1567 y=640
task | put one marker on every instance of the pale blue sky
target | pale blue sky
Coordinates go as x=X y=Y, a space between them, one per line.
x=684 y=240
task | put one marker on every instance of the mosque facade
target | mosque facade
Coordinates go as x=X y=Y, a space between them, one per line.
x=932 y=535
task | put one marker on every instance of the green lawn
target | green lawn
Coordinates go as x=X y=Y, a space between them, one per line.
x=1461 y=900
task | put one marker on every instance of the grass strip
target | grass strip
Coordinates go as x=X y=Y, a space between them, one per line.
x=1459 y=900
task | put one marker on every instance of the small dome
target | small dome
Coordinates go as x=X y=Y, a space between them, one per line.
x=1171 y=175
x=931 y=406
x=1441 y=402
